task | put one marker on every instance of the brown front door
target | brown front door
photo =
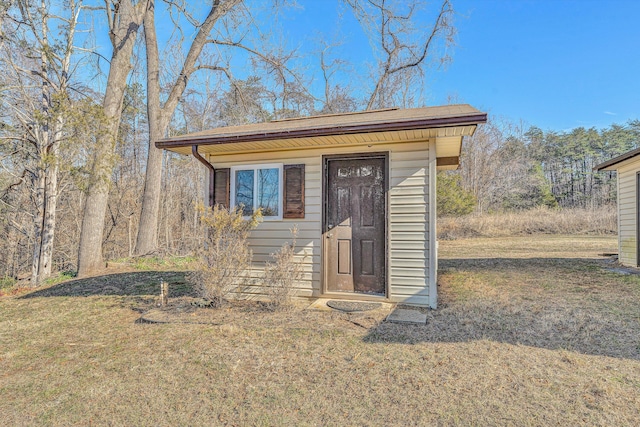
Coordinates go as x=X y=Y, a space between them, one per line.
x=355 y=225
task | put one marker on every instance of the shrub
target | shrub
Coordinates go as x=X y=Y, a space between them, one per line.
x=281 y=275
x=60 y=277
x=452 y=199
x=7 y=282
x=223 y=259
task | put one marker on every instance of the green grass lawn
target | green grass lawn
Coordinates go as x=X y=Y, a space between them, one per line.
x=530 y=331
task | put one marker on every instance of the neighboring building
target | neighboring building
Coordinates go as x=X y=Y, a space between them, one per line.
x=628 y=167
x=360 y=187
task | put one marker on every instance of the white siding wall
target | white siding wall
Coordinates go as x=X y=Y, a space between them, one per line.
x=627 y=234
x=408 y=217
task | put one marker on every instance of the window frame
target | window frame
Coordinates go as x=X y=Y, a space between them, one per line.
x=255 y=168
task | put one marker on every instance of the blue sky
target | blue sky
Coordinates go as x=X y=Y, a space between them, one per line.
x=556 y=64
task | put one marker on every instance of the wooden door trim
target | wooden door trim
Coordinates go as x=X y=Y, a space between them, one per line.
x=323 y=247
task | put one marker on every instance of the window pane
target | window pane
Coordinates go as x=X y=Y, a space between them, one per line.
x=268 y=186
x=244 y=191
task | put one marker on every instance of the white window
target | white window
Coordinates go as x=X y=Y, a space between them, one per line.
x=258 y=186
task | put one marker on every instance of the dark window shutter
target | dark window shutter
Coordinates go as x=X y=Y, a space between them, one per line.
x=293 y=197
x=221 y=192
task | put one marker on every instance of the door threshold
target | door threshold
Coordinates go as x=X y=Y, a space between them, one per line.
x=355 y=296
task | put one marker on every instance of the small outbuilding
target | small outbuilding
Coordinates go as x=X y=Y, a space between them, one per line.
x=627 y=167
x=361 y=188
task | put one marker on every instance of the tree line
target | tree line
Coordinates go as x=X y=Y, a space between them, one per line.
x=87 y=87
x=506 y=166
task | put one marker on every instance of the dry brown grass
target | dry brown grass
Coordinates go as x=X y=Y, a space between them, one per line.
x=531 y=331
x=596 y=221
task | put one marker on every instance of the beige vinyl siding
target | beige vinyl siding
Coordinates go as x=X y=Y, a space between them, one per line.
x=269 y=236
x=407 y=227
x=627 y=233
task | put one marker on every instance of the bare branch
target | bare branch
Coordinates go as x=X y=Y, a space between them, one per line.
x=401 y=60
x=224 y=70
x=218 y=10
x=278 y=64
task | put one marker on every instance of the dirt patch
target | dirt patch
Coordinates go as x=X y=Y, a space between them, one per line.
x=247 y=314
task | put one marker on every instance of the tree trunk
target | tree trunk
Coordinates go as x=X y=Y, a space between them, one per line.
x=160 y=115
x=51 y=203
x=48 y=231
x=147 y=239
x=126 y=24
x=45 y=220
x=95 y=206
x=47 y=171
x=38 y=226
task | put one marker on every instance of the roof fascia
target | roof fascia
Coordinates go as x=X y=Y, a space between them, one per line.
x=613 y=162
x=472 y=119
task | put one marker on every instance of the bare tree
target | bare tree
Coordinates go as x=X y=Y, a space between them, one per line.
x=496 y=167
x=38 y=64
x=401 y=54
x=160 y=113
x=124 y=18
x=338 y=97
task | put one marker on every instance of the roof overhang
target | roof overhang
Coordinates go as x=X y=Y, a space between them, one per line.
x=446 y=125
x=615 y=163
